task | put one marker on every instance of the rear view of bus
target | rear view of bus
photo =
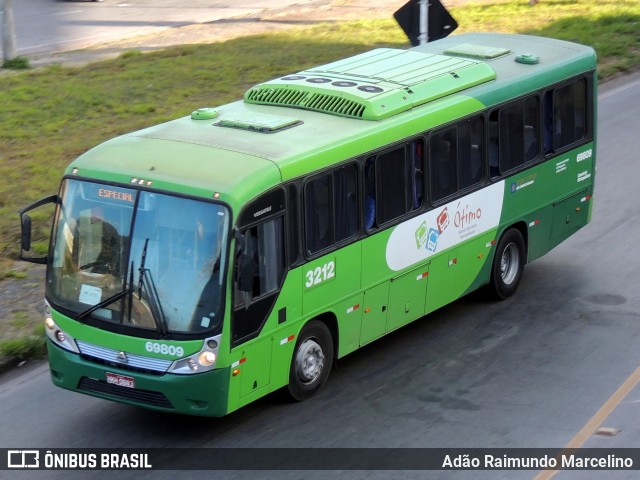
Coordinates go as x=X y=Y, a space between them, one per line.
x=198 y=265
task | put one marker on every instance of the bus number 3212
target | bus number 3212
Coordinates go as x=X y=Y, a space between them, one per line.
x=321 y=274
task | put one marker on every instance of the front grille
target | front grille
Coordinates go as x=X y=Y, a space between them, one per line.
x=112 y=358
x=147 y=397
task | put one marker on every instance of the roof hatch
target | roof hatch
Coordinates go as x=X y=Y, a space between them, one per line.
x=258 y=123
x=481 y=52
x=373 y=85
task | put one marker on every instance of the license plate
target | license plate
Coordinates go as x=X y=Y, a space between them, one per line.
x=121 y=380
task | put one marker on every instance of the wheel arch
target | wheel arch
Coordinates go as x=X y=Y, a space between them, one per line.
x=521 y=226
x=331 y=322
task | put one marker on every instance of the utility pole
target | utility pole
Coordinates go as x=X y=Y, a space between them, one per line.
x=423 y=38
x=8 y=30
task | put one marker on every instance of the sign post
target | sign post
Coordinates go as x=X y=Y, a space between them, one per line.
x=423 y=38
x=424 y=21
x=8 y=30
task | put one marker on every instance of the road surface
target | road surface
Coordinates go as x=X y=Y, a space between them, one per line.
x=58 y=25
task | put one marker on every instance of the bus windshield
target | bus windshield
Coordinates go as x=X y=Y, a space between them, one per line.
x=140 y=260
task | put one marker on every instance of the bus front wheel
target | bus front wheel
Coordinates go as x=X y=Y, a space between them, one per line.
x=311 y=362
x=508 y=264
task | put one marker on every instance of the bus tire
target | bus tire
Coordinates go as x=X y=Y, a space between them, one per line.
x=311 y=362
x=508 y=264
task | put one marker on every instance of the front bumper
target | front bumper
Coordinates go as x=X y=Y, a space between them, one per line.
x=203 y=394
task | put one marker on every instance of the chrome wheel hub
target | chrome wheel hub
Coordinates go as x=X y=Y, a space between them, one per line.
x=309 y=361
x=509 y=264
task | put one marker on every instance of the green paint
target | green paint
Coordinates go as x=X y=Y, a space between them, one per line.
x=374 y=283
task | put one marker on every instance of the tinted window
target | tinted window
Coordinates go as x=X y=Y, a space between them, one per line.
x=443 y=157
x=565 y=115
x=416 y=173
x=260 y=265
x=456 y=157
x=394 y=183
x=391 y=177
x=265 y=245
x=331 y=208
x=471 y=135
x=519 y=132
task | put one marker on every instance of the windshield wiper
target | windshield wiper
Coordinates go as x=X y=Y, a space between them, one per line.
x=145 y=280
x=106 y=302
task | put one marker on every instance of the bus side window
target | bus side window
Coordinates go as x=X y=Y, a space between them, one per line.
x=345 y=202
x=518 y=133
x=511 y=137
x=270 y=254
x=566 y=108
x=263 y=247
x=394 y=183
x=471 y=133
x=391 y=188
x=317 y=196
x=443 y=159
x=531 y=128
x=548 y=122
x=370 y=194
x=416 y=173
x=494 y=156
x=331 y=208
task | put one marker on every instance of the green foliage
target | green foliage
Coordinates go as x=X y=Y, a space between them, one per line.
x=51 y=115
x=17 y=63
x=23 y=337
x=19 y=320
x=33 y=346
x=611 y=27
x=12 y=274
x=7 y=270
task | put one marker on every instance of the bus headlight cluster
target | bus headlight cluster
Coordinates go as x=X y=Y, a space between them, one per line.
x=199 y=362
x=59 y=336
x=207 y=358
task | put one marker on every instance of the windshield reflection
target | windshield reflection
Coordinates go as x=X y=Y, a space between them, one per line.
x=139 y=259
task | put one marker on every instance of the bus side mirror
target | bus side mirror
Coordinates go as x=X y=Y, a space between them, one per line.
x=26 y=228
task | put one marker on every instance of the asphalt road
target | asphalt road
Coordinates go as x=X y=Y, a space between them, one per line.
x=58 y=25
x=528 y=372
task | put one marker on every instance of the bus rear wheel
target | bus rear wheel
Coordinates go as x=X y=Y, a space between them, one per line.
x=311 y=362
x=508 y=264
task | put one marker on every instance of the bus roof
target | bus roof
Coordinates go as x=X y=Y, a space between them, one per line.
x=310 y=120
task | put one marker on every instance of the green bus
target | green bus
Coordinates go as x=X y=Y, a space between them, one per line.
x=198 y=265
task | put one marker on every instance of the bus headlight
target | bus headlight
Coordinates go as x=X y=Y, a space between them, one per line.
x=59 y=336
x=207 y=358
x=199 y=362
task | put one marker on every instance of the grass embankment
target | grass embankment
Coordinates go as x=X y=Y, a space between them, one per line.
x=51 y=115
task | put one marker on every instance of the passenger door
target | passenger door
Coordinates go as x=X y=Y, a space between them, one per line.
x=259 y=271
